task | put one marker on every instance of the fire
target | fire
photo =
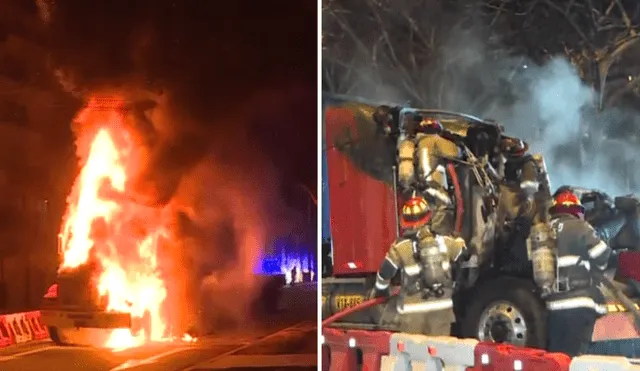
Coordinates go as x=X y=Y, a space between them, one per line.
x=189 y=339
x=106 y=229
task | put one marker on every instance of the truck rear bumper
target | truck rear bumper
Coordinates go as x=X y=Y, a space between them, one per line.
x=76 y=319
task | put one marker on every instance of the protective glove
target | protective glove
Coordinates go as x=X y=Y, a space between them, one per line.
x=377 y=293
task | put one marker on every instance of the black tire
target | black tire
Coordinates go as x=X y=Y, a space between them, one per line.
x=518 y=293
x=54 y=336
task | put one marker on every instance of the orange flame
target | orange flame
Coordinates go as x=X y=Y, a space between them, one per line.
x=108 y=230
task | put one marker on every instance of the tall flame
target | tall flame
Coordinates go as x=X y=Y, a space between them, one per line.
x=107 y=230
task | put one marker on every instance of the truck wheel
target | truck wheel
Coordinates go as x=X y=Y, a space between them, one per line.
x=506 y=310
x=54 y=336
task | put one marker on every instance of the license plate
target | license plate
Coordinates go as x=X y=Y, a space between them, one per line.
x=347 y=301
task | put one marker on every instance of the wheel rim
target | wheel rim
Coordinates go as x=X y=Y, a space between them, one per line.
x=502 y=322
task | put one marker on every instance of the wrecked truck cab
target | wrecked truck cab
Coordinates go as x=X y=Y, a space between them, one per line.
x=363 y=216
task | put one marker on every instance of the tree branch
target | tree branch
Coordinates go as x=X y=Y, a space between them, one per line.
x=625 y=18
x=552 y=4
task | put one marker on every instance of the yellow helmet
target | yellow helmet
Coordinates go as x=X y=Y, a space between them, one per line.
x=415 y=212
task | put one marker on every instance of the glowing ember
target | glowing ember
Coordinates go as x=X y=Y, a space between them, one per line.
x=189 y=339
x=110 y=232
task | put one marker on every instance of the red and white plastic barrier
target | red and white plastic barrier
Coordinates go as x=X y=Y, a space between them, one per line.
x=18 y=328
x=494 y=357
x=353 y=350
x=340 y=349
x=432 y=352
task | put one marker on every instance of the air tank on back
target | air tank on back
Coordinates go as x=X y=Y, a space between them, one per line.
x=542 y=240
x=543 y=256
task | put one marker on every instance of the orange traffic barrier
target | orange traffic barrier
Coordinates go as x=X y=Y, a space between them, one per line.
x=499 y=357
x=18 y=328
x=337 y=354
x=6 y=337
x=38 y=330
x=372 y=344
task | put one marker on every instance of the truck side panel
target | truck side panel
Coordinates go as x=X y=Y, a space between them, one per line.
x=361 y=207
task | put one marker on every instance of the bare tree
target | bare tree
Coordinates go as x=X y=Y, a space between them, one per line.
x=404 y=40
x=368 y=43
x=594 y=35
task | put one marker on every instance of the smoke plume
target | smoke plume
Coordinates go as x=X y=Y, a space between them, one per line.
x=547 y=105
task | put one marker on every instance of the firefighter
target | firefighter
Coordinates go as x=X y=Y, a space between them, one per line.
x=401 y=254
x=577 y=302
x=426 y=260
x=386 y=119
x=404 y=252
x=423 y=144
x=521 y=165
x=520 y=182
x=516 y=205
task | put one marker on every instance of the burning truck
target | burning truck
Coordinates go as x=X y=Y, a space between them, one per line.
x=111 y=274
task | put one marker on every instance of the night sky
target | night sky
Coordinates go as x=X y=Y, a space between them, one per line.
x=216 y=59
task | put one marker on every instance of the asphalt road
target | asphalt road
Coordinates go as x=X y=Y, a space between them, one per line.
x=288 y=342
x=294 y=345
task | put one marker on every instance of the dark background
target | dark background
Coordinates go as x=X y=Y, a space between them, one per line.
x=218 y=60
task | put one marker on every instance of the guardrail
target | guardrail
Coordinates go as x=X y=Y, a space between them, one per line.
x=345 y=350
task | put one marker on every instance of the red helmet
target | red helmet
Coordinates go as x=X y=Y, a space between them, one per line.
x=415 y=213
x=430 y=126
x=567 y=202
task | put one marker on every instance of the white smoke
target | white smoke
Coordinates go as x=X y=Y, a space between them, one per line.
x=552 y=111
x=547 y=105
x=549 y=114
